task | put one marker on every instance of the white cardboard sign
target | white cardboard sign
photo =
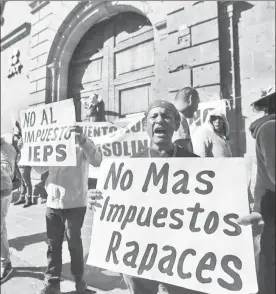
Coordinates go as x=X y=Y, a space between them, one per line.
x=46 y=135
x=173 y=220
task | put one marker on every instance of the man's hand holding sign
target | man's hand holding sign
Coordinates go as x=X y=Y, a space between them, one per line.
x=80 y=139
x=173 y=220
x=46 y=131
x=79 y=136
x=175 y=225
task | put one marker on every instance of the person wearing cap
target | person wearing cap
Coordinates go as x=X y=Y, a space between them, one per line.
x=263 y=215
x=162 y=120
x=212 y=138
x=186 y=102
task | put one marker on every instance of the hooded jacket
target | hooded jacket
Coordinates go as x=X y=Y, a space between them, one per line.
x=263 y=130
x=8 y=156
x=208 y=143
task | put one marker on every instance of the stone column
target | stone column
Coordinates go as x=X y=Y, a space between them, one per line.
x=54 y=76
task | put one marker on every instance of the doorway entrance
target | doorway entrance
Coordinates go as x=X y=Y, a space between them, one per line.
x=114 y=60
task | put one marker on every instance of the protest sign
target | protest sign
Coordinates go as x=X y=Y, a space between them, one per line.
x=126 y=137
x=46 y=135
x=123 y=138
x=173 y=220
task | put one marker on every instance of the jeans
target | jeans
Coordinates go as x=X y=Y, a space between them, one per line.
x=43 y=178
x=144 y=286
x=5 y=251
x=266 y=274
x=58 y=222
x=26 y=183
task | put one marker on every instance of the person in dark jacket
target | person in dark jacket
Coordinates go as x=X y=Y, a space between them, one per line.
x=263 y=131
x=26 y=189
x=186 y=102
x=163 y=120
x=8 y=157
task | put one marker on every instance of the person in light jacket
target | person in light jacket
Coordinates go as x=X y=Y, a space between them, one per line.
x=212 y=138
x=66 y=207
x=162 y=120
x=8 y=157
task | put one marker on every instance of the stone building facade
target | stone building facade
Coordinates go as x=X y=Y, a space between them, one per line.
x=132 y=52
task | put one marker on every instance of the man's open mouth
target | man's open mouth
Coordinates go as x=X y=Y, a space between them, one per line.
x=159 y=131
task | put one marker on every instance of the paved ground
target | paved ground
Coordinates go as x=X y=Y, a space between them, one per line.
x=27 y=238
x=27 y=279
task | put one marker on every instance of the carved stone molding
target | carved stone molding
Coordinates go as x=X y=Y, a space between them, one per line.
x=161 y=25
x=54 y=71
x=15 y=36
x=15 y=64
x=37 y=5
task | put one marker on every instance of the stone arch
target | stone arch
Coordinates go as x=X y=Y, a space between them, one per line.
x=73 y=28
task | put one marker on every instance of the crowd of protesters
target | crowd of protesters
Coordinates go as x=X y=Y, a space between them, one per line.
x=168 y=130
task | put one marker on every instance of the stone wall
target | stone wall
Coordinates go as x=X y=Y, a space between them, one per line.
x=193 y=49
x=15 y=36
x=45 y=22
x=193 y=46
x=187 y=53
x=257 y=58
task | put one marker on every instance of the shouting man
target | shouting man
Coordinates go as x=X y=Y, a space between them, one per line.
x=162 y=120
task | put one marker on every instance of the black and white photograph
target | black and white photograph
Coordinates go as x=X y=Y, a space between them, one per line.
x=100 y=100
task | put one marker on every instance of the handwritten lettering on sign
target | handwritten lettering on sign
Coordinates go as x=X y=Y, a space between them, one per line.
x=174 y=220
x=120 y=139
x=47 y=138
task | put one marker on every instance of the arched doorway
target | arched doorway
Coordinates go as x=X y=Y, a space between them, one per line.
x=114 y=59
